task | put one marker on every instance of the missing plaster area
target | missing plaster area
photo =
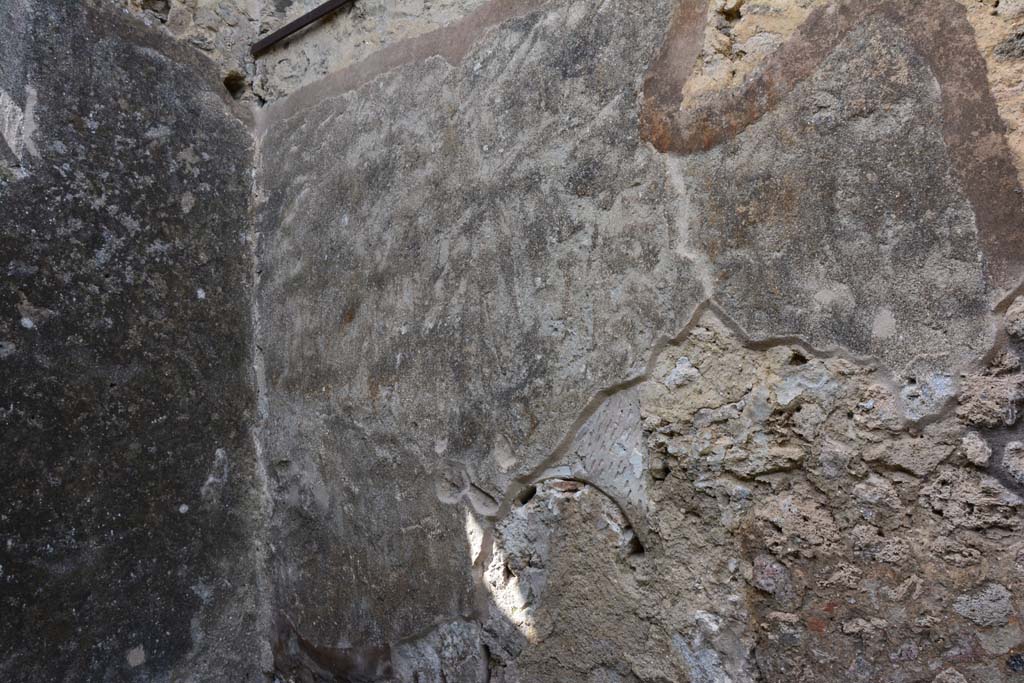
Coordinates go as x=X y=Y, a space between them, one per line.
x=991 y=402
x=1012 y=47
x=739 y=37
x=777 y=480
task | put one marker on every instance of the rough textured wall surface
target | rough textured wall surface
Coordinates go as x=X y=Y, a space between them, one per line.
x=736 y=37
x=668 y=335
x=127 y=502
x=798 y=527
x=224 y=30
x=618 y=342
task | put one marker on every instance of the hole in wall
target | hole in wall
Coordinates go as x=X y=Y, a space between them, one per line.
x=634 y=546
x=235 y=84
x=527 y=495
x=631 y=548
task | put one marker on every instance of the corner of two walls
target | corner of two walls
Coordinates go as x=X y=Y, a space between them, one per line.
x=572 y=361
x=224 y=30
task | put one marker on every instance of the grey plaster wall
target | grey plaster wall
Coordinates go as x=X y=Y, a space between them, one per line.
x=128 y=499
x=471 y=240
x=453 y=283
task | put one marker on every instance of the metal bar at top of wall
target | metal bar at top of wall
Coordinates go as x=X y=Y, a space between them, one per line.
x=297 y=25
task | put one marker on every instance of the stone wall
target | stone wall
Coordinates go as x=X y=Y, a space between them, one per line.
x=128 y=501
x=795 y=525
x=645 y=341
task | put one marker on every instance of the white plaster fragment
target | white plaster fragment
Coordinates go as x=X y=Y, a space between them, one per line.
x=975 y=449
x=884 y=324
x=157 y=132
x=12 y=124
x=30 y=127
x=682 y=373
x=503 y=454
x=950 y=676
x=136 y=656
x=218 y=475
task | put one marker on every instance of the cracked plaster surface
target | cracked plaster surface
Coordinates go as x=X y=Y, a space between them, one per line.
x=715 y=481
x=638 y=341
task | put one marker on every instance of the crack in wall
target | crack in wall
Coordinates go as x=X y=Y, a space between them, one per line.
x=513 y=494
x=602 y=396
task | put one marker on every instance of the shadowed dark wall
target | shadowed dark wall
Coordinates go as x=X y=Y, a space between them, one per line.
x=126 y=496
